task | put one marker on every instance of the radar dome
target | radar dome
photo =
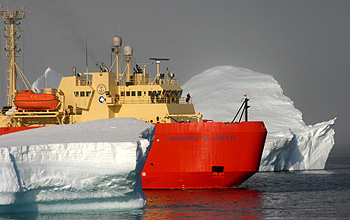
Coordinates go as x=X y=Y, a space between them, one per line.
x=128 y=50
x=117 y=41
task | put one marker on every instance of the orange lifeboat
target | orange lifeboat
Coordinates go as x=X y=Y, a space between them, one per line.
x=28 y=100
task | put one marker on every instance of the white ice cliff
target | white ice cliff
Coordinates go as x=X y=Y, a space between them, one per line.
x=50 y=79
x=290 y=144
x=85 y=166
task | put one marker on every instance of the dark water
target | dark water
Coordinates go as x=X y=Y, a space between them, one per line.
x=323 y=194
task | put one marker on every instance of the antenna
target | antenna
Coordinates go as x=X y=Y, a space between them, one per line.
x=86 y=57
x=158 y=61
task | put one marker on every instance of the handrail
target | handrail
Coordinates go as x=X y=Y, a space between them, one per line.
x=151 y=81
x=82 y=82
x=174 y=100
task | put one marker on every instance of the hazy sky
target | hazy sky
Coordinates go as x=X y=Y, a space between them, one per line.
x=304 y=44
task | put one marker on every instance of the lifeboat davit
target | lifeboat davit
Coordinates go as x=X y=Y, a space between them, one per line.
x=28 y=100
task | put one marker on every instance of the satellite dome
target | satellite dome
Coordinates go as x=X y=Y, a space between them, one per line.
x=117 y=41
x=128 y=50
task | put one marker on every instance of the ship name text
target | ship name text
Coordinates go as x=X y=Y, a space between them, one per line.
x=197 y=138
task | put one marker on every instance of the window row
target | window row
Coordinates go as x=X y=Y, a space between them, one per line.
x=164 y=93
x=82 y=93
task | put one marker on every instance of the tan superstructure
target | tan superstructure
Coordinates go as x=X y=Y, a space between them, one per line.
x=110 y=94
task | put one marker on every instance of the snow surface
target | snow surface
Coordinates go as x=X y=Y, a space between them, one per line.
x=290 y=144
x=86 y=166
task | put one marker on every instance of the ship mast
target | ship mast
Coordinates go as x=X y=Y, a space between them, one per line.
x=117 y=42
x=12 y=36
x=127 y=58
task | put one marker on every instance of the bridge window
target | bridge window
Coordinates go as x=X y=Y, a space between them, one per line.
x=76 y=94
x=88 y=93
x=82 y=94
x=133 y=93
x=139 y=93
x=122 y=94
x=128 y=93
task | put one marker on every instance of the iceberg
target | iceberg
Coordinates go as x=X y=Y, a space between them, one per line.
x=93 y=165
x=290 y=143
x=50 y=79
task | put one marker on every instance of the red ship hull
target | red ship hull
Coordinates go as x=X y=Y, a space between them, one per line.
x=203 y=155
x=200 y=155
x=28 y=100
x=7 y=130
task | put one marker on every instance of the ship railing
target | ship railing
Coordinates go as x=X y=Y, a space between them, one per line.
x=184 y=100
x=150 y=81
x=171 y=100
x=159 y=81
x=83 y=82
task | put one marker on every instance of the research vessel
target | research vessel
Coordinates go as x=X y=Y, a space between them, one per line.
x=187 y=151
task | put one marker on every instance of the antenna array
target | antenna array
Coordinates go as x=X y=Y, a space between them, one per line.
x=12 y=36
